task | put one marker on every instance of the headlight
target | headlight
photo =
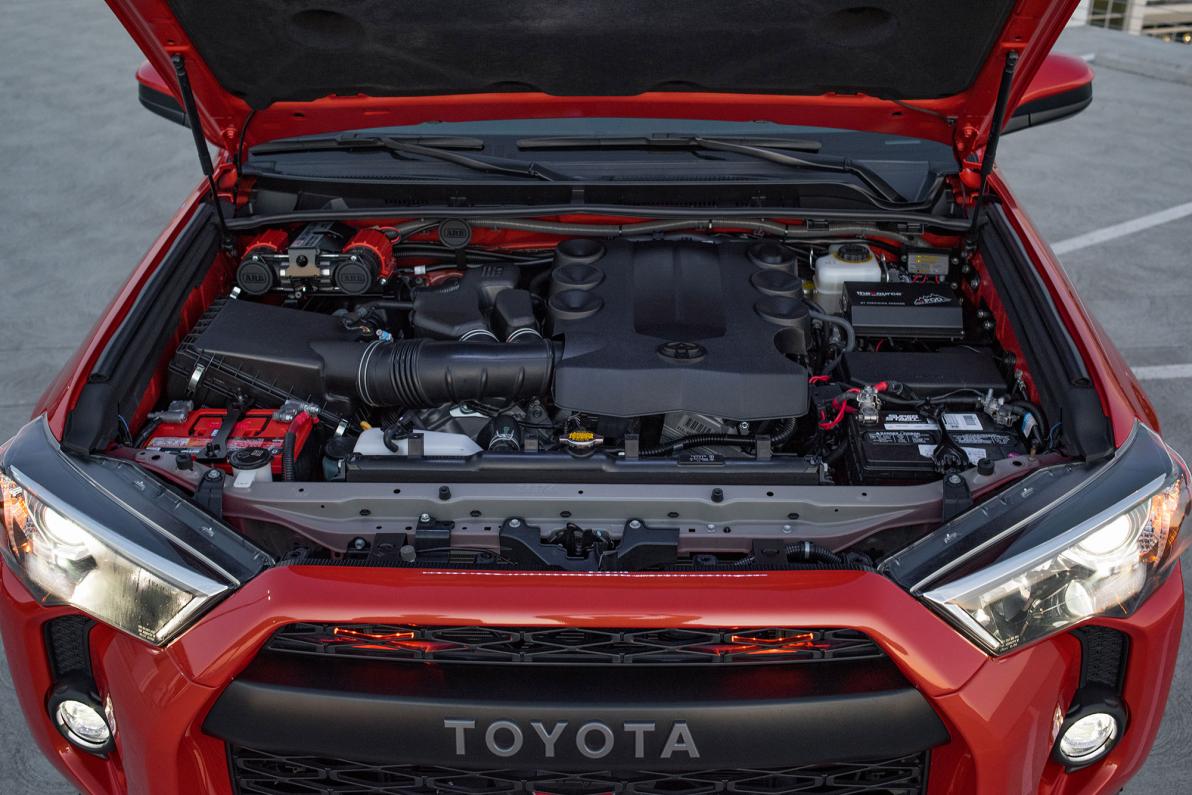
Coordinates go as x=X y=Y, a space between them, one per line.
x=1031 y=578
x=104 y=537
x=68 y=563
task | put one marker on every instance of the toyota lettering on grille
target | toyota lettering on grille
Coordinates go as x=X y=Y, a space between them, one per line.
x=593 y=739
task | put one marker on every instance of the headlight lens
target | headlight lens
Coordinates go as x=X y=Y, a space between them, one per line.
x=1102 y=568
x=104 y=536
x=68 y=563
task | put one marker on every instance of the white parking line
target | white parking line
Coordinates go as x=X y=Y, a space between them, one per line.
x=1161 y=372
x=1122 y=229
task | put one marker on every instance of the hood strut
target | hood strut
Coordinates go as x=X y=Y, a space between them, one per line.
x=196 y=129
x=995 y=135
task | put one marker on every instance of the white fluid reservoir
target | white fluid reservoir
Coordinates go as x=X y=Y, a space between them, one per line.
x=844 y=262
x=435 y=443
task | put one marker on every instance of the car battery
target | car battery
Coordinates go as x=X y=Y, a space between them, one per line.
x=899 y=446
x=256 y=429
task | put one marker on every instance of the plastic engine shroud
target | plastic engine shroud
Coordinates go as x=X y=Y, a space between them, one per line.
x=654 y=327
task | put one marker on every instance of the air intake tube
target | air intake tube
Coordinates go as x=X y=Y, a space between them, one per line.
x=425 y=373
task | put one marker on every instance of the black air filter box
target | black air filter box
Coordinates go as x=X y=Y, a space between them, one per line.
x=238 y=344
x=904 y=310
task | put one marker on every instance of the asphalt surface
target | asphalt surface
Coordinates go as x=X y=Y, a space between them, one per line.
x=89 y=179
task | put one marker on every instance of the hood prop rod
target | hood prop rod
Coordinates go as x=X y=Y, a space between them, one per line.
x=995 y=135
x=196 y=129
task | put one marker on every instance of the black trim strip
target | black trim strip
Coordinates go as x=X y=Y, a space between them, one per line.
x=1060 y=374
x=531 y=211
x=755 y=719
x=126 y=364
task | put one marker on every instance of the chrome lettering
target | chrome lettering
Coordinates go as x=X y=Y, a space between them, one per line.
x=680 y=740
x=581 y=740
x=490 y=738
x=460 y=726
x=548 y=738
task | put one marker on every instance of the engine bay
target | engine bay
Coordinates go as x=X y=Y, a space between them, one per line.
x=581 y=372
x=860 y=356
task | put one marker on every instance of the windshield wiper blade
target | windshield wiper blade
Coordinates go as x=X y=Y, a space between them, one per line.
x=660 y=142
x=364 y=142
x=751 y=147
x=434 y=148
x=822 y=163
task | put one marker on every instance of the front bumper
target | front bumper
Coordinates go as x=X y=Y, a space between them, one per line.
x=1000 y=713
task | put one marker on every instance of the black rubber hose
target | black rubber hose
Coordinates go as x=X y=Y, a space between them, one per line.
x=811 y=552
x=719 y=440
x=849 y=334
x=288 y=469
x=424 y=373
x=385 y=303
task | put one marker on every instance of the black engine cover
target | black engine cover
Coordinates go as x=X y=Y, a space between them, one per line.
x=654 y=327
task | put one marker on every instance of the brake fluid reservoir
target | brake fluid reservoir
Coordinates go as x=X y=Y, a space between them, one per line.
x=844 y=262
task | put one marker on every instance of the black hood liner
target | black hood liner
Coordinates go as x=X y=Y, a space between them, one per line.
x=274 y=50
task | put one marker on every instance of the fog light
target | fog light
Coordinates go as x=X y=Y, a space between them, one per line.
x=1088 y=738
x=81 y=721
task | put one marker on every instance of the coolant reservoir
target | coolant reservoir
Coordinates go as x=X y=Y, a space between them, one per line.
x=435 y=443
x=844 y=262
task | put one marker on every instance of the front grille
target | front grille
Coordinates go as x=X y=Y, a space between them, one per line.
x=263 y=773
x=573 y=646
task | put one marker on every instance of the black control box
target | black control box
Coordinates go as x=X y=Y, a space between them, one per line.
x=904 y=310
x=899 y=446
x=927 y=373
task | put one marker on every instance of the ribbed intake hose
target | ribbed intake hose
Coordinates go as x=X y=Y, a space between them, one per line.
x=428 y=373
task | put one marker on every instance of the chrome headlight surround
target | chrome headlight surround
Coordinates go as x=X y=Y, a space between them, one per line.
x=103 y=536
x=1062 y=547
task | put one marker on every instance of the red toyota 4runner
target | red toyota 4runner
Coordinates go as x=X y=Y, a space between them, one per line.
x=606 y=397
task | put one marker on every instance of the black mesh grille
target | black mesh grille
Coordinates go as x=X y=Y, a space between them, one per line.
x=263 y=773
x=1103 y=653
x=572 y=646
x=67 y=646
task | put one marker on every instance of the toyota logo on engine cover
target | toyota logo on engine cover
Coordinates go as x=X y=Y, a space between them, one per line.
x=593 y=739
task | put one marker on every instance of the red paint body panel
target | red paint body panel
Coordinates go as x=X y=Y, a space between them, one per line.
x=1057 y=74
x=999 y=711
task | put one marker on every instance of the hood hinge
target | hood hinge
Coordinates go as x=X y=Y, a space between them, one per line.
x=196 y=129
x=990 y=155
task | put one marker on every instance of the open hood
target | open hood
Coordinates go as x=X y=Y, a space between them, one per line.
x=267 y=69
